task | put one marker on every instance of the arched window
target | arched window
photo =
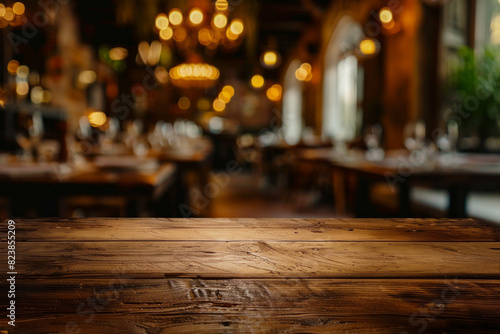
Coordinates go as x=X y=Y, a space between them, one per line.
x=342 y=90
x=292 y=105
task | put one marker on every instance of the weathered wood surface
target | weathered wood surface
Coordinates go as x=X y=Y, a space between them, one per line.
x=261 y=259
x=305 y=230
x=263 y=306
x=255 y=276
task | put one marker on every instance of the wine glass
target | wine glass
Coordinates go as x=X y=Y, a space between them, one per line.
x=373 y=139
x=30 y=134
x=414 y=135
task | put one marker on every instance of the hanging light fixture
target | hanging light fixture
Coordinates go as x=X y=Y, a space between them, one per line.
x=194 y=75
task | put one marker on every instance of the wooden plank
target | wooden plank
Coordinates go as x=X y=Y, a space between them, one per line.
x=261 y=306
x=260 y=259
x=305 y=230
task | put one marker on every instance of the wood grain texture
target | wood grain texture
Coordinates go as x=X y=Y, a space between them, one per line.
x=261 y=306
x=146 y=276
x=305 y=230
x=260 y=259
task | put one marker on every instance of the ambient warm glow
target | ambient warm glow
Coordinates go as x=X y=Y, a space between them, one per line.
x=229 y=89
x=97 y=118
x=23 y=72
x=184 y=103
x=368 y=47
x=118 y=53
x=161 y=21
x=304 y=72
x=257 y=81
x=161 y=74
x=87 y=77
x=9 y=14
x=205 y=36
x=221 y=4
x=2 y=9
x=194 y=75
x=175 y=17
x=274 y=93
x=13 y=66
x=385 y=15
x=22 y=88
x=220 y=21
x=237 y=27
x=37 y=95
x=225 y=96
x=219 y=105
x=18 y=8
x=166 y=34
x=180 y=34
x=270 y=58
x=196 y=16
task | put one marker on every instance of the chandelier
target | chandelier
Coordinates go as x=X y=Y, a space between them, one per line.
x=210 y=26
x=193 y=75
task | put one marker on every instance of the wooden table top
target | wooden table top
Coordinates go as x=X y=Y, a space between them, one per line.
x=254 y=276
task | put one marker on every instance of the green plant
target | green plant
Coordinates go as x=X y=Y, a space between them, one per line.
x=475 y=85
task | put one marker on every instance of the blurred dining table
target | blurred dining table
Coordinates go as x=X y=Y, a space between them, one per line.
x=143 y=183
x=458 y=173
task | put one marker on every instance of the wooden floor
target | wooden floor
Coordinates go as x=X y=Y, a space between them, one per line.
x=246 y=196
x=144 y=276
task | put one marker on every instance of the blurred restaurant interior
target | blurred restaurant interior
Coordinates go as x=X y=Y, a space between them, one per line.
x=250 y=108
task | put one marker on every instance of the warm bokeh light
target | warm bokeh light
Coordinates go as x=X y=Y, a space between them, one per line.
x=270 y=58
x=37 y=95
x=47 y=96
x=229 y=89
x=237 y=27
x=221 y=4
x=205 y=36
x=225 y=96
x=2 y=9
x=220 y=21
x=196 y=16
x=22 y=88
x=257 y=81
x=175 y=17
x=194 y=75
x=161 y=21
x=166 y=34
x=307 y=67
x=301 y=74
x=219 y=105
x=18 y=8
x=12 y=66
x=118 y=53
x=9 y=14
x=184 y=103
x=180 y=34
x=231 y=36
x=23 y=72
x=385 y=15
x=368 y=47
x=203 y=104
x=304 y=72
x=274 y=93
x=87 y=77
x=161 y=75
x=97 y=118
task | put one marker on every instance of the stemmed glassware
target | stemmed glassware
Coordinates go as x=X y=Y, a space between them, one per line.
x=31 y=134
x=373 y=140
